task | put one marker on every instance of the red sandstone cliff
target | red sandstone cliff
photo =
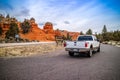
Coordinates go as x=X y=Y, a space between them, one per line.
x=45 y=34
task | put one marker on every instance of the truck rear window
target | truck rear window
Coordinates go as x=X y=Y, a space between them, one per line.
x=85 y=38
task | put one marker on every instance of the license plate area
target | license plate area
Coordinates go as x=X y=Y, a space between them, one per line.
x=75 y=49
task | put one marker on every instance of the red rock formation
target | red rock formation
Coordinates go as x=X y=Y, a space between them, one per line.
x=5 y=27
x=35 y=34
x=5 y=24
x=48 y=29
x=58 y=33
x=48 y=26
x=45 y=34
x=74 y=35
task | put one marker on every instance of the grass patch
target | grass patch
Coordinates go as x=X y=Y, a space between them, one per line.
x=27 y=50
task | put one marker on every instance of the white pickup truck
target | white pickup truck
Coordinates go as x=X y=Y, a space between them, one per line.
x=84 y=43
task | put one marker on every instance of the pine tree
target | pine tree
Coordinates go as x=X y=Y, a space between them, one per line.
x=89 y=32
x=104 y=29
x=8 y=16
x=81 y=33
x=104 y=33
x=116 y=35
x=25 y=26
x=1 y=30
x=69 y=37
x=12 y=31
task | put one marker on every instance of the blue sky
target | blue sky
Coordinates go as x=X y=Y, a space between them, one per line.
x=71 y=15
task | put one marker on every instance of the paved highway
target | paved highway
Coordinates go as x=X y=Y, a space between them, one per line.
x=59 y=65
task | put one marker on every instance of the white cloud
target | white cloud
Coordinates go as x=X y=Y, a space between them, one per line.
x=81 y=17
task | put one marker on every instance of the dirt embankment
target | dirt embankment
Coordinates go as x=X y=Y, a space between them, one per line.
x=18 y=51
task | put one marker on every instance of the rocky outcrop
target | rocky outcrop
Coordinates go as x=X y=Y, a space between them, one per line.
x=5 y=24
x=73 y=35
x=48 y=26
x=49 y=31
x=45 y=34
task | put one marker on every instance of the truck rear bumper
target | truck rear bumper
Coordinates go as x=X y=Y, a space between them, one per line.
x=77 y=49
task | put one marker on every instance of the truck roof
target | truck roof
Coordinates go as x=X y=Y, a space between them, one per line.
x=86 y=35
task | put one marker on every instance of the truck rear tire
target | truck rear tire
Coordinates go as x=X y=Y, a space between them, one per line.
x=71 y=53
x=90 y=53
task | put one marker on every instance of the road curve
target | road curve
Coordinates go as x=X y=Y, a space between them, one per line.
x=59 y=66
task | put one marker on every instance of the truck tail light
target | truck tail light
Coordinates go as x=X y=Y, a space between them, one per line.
x=86 y=44
x=65 y=44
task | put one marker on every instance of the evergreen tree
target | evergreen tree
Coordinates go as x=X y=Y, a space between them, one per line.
x=110 y=35
x=81 y=33
x=25 y=27
x=89 y=32
x=104 y=30
x=12 y=31
x=1 y=30
x=8 y=16
x=116 y=35
x=1 y=17
x=97 y=35
x=69 y=37
x=104 y=33
x=64 y=38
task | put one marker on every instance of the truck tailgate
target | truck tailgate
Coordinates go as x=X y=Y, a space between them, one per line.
x=75 y=44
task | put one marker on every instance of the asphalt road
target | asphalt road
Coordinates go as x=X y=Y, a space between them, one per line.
x=59 y=66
